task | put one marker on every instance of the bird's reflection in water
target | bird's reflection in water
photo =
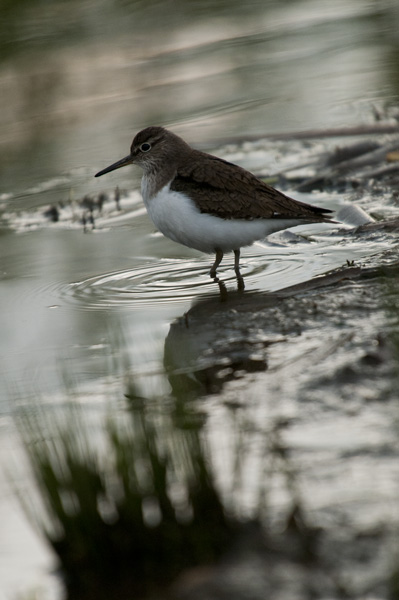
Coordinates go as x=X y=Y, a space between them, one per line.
x=223 y=289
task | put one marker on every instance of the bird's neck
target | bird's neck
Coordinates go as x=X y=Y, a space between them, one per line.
x=156 y=176
x=152 y=182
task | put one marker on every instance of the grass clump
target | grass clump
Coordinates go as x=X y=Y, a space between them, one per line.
x=127 y=511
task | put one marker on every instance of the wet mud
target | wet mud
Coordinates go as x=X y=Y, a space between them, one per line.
x=321 y=358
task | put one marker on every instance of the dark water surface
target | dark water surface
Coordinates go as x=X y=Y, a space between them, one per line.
x=77 y=81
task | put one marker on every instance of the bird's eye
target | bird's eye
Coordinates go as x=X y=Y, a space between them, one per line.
x=145 y=147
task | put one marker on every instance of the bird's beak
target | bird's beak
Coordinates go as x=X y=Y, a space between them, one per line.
x=120 y=163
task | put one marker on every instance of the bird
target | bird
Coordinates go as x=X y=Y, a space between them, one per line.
x=207 y=203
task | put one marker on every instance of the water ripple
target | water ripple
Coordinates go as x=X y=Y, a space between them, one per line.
x=165 y=281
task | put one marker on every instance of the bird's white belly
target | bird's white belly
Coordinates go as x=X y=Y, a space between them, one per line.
x=178 y=218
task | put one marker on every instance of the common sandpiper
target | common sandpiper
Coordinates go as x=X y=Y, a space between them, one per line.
x=207 y=203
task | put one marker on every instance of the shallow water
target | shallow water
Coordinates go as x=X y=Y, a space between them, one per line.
x=58 y=306
x=76 y=87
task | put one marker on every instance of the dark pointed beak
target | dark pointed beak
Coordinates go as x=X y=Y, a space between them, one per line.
x=120 y=163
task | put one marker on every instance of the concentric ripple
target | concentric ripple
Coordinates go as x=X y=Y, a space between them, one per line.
x=176 y=280
x=165 y=281
x=156 y=281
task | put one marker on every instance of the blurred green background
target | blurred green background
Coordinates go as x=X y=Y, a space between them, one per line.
x=79 y=78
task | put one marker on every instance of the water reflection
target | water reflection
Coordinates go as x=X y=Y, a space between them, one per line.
x=207 y=346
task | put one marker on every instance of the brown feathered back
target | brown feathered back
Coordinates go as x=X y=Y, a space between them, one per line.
x=228 y=191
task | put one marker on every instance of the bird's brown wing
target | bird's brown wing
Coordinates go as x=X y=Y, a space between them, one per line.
x=230 y=192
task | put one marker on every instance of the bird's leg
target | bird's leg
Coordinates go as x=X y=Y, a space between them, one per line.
x=237 y=262
x=218 y=260
x=240 y=280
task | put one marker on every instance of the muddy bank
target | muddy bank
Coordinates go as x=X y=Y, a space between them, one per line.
x=314 y=368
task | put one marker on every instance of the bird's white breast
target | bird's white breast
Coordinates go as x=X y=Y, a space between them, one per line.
x=178 y=218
